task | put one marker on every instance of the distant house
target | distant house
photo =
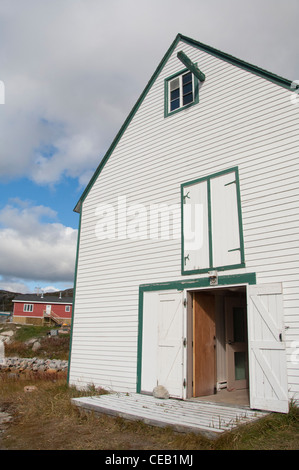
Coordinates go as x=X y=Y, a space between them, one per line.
x=39 y=309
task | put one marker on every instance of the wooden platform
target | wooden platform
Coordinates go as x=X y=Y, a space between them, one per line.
x=184 y=416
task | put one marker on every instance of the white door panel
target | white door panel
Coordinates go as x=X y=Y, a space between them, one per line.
x=170 y=343
x=267 y=358
x=162 y=342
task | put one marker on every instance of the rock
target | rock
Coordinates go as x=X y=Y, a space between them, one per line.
x=160 y=392
x=30 y=388
x=31 y=341
x=7 y=333
x=51 y=371
x=4 y=417
x=34 y=364
x=5 y=339
x=2 y=353
x=36 y=346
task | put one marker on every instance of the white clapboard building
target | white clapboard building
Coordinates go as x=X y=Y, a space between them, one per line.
x=187 y=271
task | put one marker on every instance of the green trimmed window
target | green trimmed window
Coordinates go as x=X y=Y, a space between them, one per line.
x=181 y=91
x=212 y=236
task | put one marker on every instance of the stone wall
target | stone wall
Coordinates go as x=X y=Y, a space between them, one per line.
x=17 y=364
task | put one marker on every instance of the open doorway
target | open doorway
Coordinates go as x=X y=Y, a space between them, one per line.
x=218 y=362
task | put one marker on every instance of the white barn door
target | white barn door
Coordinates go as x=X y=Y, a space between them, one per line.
x=162 y=342
x=170 y=366
x=267 y=358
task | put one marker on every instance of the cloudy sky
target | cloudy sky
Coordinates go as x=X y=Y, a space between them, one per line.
x=72 y=70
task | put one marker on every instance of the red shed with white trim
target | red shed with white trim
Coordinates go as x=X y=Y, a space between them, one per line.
x=40 y=309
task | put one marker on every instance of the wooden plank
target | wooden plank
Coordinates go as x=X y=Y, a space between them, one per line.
x=183 y=416
x=204 y=374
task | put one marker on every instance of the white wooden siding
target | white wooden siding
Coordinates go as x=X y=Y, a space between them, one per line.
x=241 y=120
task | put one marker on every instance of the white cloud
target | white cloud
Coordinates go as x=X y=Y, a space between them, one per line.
x=14 y=285
x=31 y=248
x=72 y=70
x=49 y=289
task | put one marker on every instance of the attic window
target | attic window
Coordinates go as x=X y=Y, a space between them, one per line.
x=181 y=91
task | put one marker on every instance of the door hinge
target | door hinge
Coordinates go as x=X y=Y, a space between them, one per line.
x=184 y=383
x=185 y=342
x=185 y=302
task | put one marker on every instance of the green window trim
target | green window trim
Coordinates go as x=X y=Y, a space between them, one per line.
x=167 y=81
x=212 y=266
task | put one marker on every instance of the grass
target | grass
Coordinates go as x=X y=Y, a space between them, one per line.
x=45 y=419
x=52 y=347
x=26 y=332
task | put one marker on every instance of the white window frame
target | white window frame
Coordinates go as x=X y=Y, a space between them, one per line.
x=67 y=308
x=170 y=80
x=28 y=308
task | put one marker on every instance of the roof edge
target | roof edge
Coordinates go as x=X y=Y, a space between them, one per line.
x=281 y=81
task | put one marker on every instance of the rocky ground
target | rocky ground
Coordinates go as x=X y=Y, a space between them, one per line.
x=17 y=365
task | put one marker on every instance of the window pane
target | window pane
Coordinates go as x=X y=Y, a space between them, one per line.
x=174 y=104
x=174 y=84
x=188 y=98
x=187 y=78
x=240 y=365
x=175 y=94
x=187 y=88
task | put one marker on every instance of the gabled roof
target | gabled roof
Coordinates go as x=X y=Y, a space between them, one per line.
x=48 y=299
x=283 y=82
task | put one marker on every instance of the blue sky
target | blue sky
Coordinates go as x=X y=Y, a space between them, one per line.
x=72 y=71
x=61 y=197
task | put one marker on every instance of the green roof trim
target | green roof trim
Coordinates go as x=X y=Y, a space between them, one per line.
x=240 y=63
x=191 y=66
x=283 y=82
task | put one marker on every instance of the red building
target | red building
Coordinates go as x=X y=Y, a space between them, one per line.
x=40 y=309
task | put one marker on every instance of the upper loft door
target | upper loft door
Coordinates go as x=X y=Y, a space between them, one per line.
x=267 y=358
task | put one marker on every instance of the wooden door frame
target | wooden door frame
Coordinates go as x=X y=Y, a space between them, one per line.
x=189 y=328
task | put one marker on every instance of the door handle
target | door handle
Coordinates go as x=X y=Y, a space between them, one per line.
x=230 y=341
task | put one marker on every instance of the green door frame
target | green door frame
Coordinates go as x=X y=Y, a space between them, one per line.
x=229 y=280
